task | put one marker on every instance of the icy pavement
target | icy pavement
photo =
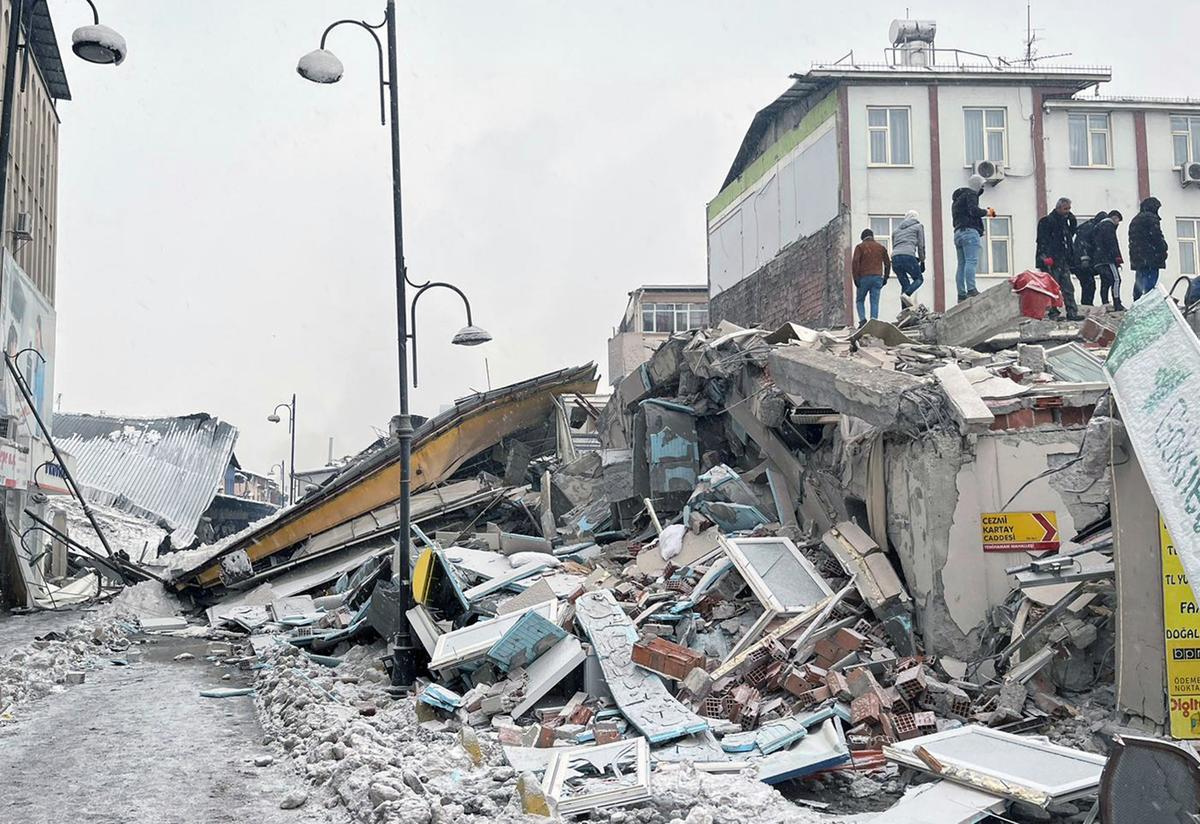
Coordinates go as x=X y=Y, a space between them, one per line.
x=138 y=745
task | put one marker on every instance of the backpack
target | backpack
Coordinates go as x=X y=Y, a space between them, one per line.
x=1085 y=242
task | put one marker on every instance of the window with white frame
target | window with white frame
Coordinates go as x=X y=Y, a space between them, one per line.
x=889 y=136
x=884 y=226
x=1185 y=137
x=1090 y=138
x=995 y=250
x=674 y=317
x=1188 y=231
x=986 y=131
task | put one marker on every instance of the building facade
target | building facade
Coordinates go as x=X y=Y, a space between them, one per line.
x=855 y=145
x=653 y=314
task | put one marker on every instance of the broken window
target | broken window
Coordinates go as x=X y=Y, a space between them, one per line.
x=588 y=778
x=782 y=579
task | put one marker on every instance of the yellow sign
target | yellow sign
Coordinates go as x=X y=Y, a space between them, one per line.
x=1181 y=624
x=422 y=576
x=1019 y=531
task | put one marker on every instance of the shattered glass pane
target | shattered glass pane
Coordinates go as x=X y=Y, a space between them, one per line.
x=783 y=573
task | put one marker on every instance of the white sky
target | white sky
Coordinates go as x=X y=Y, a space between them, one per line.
x=225 y=226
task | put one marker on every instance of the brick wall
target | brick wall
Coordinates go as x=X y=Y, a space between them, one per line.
x=805 y=283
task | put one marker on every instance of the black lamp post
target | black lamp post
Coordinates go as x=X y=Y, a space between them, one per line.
x=321 y=66
x=274 y=418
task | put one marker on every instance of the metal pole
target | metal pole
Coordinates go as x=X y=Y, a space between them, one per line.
x=292 y=427
x=403 y=663
x=6 y=112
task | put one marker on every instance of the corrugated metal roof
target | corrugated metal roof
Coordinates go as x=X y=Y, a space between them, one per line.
x=167 y=470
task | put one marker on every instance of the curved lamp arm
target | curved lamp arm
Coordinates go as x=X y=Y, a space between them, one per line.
x=383 y=79
x=291 y=414
x=22 y=352
x=412 y=322
x=95 y=14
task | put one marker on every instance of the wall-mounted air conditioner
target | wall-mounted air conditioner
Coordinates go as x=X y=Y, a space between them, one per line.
x=992 y=173
x=1189 y=173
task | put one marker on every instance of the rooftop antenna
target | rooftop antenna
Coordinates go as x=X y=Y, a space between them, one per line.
x=1031 y=39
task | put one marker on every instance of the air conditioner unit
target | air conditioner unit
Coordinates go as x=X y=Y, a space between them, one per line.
x=1189 y=173
x=23 y=226
x=992 y=173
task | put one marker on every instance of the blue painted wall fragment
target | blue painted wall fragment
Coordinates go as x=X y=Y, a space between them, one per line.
x=525 y=641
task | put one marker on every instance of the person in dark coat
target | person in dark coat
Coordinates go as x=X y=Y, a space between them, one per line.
x=1147 y=247
x=1085 y=269
x=1055 y=252
x=1107 y=259
x=968 y=233
x=869 y=268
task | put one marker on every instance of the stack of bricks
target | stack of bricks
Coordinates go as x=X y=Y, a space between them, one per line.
x=666 y=657
x=836 y=647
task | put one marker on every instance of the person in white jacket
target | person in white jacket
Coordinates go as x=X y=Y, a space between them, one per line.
x=908 y=256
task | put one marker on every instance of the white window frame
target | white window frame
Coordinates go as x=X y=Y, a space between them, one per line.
x=983 y=113
x=887 y=130
x=986 y=245
x=692 y=310
x=893 y=222
x=1193 y=151
x=1193 y=242
x=1087 y=126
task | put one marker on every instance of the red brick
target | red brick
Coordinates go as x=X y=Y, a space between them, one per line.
x=666 y=657
x=861 y=680
x=866 y=709
x=849 y=640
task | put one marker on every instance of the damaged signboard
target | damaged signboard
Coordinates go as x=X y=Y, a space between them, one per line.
x=1182 y=643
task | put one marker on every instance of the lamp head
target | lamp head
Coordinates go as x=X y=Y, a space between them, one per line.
x=273 y=418
x=320 y=66
x=98 y=44
x=470 y=336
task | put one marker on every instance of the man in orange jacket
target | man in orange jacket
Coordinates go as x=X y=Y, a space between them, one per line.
x=869 y=268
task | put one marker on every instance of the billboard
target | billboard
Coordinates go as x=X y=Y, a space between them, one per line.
x=26 y=324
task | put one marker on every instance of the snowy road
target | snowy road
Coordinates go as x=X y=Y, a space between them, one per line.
x=138 y=745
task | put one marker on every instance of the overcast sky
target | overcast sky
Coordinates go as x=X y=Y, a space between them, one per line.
x=225 y=226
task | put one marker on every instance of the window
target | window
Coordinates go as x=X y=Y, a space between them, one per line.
x=884 y=226
x=1188 y=230
x=889 y=136
x=674 y=317
x=994 y=251
x=1090 y=139
x=987 y=135
x=1185 y=137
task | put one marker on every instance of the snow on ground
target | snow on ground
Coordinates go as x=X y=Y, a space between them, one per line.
x=183 y=560
x=139 y=539
x=348 y=736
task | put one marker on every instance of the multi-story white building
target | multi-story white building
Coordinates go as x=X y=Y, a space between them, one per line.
x=855 y=144
x=653 y=314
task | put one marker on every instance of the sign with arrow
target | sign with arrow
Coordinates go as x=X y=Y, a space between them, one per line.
x=1019 y=531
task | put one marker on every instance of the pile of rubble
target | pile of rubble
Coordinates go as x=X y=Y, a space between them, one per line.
x=720 y=567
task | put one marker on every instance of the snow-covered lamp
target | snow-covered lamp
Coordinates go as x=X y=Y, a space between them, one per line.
x=320 y=66
x=471 y=336
x=97 y=43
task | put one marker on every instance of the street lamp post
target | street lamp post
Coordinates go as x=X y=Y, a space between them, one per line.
x=282 y=467
x=274 y=418
x=322 y=66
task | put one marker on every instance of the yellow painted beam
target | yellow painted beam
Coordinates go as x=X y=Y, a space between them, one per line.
x=433 y=460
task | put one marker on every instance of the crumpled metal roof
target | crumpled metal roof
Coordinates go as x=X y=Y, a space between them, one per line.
x=166 y=470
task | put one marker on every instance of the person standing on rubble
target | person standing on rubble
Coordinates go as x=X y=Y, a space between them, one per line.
x=1055 y=253
x=908 y=256
x=967 y=216
x=1085 y=269
x=869 y=268
x=1107 y=259
x=1147 y=247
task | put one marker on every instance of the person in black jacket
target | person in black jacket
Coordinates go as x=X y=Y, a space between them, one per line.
x=1084 y=268
x=1107 y=259
x=1055 y=252
x=968 y=232
x=1147 y=247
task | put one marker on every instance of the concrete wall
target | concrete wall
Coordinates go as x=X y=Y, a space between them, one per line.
x=937 y=489
x=629 y=350
x=793 y=197
x=803 y=284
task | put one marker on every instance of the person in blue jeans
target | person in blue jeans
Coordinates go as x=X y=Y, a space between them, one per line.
x=968 y=216
x=869 y=268
x=1147 y=247
x=908 y=256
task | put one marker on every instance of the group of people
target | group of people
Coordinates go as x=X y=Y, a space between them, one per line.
x=1064 y=249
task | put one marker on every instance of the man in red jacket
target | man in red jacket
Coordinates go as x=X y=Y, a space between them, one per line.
x=869 y=268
